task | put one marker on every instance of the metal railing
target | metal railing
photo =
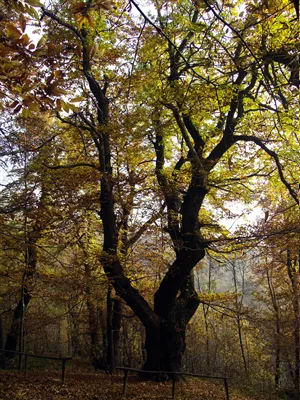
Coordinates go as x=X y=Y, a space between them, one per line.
x=173 y=377
x=26 y=355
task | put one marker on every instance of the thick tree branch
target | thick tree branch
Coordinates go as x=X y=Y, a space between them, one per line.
x=167 y=186
x=70 y=166
x=199 y=142
x=62 y=22
x=184 y=133
x=231 y=121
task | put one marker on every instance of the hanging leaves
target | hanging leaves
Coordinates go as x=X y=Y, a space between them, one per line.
x=81 y=11
x=81 y=15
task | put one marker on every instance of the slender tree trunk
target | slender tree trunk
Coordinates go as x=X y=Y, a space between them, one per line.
x=1 y=334
x=293 y=265
x=2 y=362
x=278 y=356
x=238 y=317
x=95 y=351
x=116 y=323
x=110 y=357
x=113 y=330
x=206 y=319
x=15 y=332
x=277 y=374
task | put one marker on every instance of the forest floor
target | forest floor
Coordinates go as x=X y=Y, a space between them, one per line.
x=80 y=385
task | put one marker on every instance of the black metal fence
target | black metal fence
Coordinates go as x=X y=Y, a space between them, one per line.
x=173 y=377
x=26 y=355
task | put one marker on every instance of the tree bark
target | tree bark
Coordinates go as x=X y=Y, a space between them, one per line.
x=110 y=357
x=166 y=341
x=116 y=324
x=95 y=351
x=274 y=299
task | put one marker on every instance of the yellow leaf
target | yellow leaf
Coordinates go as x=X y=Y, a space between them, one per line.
x=65 y=106
x=41 y=42
x=80 y=20
x=74 y=108
x=25 y=113
x=34 y=3
x=77 y=99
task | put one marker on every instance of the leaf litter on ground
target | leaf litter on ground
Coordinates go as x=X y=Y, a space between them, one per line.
x=43 y=385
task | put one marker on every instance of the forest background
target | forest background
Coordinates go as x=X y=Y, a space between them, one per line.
x=130 y=133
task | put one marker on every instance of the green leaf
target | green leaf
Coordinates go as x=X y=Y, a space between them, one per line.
x=34 y=3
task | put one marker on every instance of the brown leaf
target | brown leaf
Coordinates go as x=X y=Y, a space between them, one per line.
x=13 y=32
x=17 y=109
x=22 y=22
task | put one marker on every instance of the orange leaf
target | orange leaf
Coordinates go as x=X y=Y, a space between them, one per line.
x=13 y=32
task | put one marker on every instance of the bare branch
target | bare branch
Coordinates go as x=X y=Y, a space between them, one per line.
x=143 y=228
x=178 y=52
x=275 y=157
x=62 y=23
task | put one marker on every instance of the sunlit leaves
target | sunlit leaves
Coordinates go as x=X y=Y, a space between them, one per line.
x=82 y=11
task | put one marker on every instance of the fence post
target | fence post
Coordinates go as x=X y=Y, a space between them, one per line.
x=173 y=386
x=26 y=358
x=226 y=388
x=20 y=361
x=3 y=360
x=125 y=381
